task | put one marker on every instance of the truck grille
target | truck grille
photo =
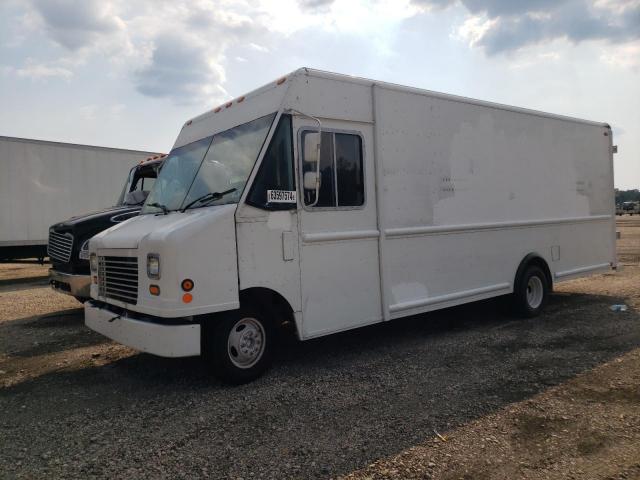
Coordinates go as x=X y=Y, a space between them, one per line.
x=118 y=278
x=59 y=246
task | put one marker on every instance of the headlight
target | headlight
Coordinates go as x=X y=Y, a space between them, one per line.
x=84 y=251
x=153 y=266
x=93 y=262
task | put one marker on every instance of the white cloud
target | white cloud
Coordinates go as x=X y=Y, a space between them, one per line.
x=76 y=24
x=626 y=56
x=258 y=48
x=38 y=71
x=500 y=26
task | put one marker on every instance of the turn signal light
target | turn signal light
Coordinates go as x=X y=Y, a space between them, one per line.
x=187 y=297
x=187 y=284
x=154 y=290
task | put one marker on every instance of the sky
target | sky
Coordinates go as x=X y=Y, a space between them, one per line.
x=129 y=73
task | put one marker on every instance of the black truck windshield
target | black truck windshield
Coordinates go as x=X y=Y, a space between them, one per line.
x=218 y=163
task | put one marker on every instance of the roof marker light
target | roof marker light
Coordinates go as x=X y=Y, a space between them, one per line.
x=228 y=104
x=281 y=81
x=217 y=109
x=240 y=100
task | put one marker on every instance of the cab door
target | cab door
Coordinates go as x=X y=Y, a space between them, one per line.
x=338 y=233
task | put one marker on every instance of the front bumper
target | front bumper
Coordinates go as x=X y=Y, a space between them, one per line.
x=144 y=333
x=71 y=284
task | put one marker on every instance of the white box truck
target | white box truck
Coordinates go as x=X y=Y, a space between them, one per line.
x=333 y=202
x=43 y=182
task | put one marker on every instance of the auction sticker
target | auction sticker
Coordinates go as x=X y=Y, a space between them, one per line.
x=281 y=196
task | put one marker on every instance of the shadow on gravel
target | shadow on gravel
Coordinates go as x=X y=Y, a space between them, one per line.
x=47 y=334
x=62 y=318
x=327 y=407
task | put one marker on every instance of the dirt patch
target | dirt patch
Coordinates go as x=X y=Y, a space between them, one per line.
x=587 y=428
x=16 y=272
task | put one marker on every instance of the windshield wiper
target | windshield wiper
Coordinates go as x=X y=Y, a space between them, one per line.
x=162 y=207
x=209 y=197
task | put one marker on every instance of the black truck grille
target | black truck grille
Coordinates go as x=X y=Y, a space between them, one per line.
x=60 y=246
x=118 y=278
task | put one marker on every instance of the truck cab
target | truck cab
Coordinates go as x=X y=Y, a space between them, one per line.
x=68 y=241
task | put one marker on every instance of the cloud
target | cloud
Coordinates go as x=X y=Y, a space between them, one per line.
x=315 y=4
x=77 y=23
x=258 y=48
x=38 y=71
x=182 y=69
x=500 y=26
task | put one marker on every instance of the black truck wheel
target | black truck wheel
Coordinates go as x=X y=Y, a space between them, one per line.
x=530 y=292
x=237 y=346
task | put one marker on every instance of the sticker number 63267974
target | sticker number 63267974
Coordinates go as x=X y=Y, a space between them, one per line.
x=281 y=196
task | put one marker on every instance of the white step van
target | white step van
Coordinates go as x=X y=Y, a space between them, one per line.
x=333 y=202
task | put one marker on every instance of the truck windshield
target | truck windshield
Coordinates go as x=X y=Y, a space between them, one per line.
x=214 y=164
x=127 y=187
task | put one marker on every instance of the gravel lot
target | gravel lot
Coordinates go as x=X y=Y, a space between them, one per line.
x=74 y=405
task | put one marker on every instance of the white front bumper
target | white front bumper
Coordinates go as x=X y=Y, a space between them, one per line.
x=147 y=336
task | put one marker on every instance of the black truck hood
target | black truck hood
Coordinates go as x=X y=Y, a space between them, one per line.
x=83 y=227
x=98 y=216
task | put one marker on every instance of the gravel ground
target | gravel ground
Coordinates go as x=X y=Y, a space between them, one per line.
x=22 y=270
x=586 y=428
x=74 y=405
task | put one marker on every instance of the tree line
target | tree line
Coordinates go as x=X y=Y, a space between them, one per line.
x=627 y=196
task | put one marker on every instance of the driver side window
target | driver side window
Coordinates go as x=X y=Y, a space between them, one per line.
x=341 y=170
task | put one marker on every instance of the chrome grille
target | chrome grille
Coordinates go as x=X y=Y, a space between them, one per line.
x=59 y=246
x=118 y=278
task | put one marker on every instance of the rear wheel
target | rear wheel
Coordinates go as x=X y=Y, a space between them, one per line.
x=530 y=292
x=238 y=345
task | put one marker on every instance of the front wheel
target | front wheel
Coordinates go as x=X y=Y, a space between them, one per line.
x=238 y=345
x=530 y=292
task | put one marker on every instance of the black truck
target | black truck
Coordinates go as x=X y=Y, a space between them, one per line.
x=68 y=246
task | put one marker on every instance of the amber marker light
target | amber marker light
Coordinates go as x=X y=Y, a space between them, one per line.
x=187 y=297
x=187 y=284
x=154 y=290
x=281 y=81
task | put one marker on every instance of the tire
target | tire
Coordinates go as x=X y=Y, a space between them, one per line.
x=531 y=292
x=238 y=345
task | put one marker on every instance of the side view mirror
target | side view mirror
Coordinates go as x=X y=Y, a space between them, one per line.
x=311 y=181
x=312 y=147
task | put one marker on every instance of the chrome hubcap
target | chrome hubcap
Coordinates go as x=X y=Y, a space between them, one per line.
x=535 y=292
x=245 y=345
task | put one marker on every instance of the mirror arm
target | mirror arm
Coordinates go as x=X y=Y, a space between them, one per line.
x=315 y=201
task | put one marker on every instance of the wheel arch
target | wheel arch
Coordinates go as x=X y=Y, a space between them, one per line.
x=272 y=302
x=534 y=258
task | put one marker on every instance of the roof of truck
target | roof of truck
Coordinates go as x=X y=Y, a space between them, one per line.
x=459 y=98
x=392 y=86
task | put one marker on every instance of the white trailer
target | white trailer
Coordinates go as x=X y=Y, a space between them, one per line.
x=43 y=182
x=409 y=201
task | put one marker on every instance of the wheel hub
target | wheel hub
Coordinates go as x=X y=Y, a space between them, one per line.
x=535 y=292
x=246 y=342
